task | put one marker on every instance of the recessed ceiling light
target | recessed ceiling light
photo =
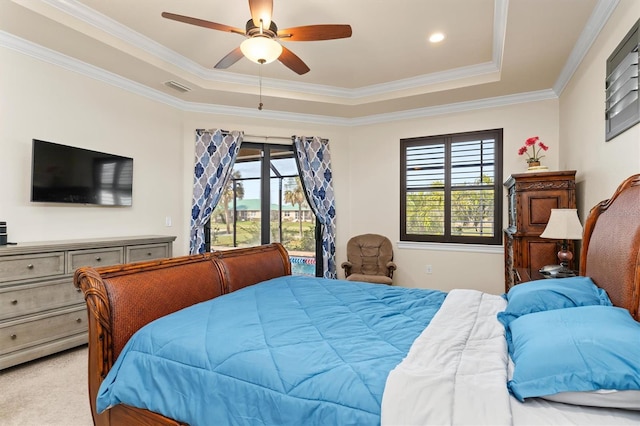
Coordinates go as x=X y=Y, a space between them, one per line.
x=436 y=37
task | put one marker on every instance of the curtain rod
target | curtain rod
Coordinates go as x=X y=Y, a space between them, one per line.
x=287 y=138
x=266 y=138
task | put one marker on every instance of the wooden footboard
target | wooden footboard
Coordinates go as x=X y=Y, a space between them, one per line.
x=122 y=299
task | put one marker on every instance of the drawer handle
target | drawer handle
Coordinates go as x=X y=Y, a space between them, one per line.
x=78 y=320
x=14 y=336
x=98 y=258
x=30 y=266
x=149 y=254
x=14 y=302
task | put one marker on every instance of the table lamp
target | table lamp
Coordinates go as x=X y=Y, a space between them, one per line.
x=563 y=225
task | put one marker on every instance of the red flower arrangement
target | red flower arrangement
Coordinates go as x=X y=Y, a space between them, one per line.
x=534 y=156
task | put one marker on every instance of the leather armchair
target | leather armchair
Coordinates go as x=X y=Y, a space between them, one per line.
x=369 y=259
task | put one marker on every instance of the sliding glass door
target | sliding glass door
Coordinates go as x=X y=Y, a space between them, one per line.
x=264 y=202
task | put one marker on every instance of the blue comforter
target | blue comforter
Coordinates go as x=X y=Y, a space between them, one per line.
x=289 y=351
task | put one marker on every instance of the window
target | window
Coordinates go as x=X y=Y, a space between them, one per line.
x=263 y=203
x=451 y=188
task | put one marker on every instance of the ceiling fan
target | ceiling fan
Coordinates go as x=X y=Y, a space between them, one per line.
x=262 y=35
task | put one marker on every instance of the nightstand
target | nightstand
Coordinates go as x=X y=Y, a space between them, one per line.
x=524 y=275
x=530 y=199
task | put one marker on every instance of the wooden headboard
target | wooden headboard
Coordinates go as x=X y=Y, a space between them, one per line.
x=610 y=252
x=122 y=299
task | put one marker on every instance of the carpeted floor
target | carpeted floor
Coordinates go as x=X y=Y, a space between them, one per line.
x=49 y=391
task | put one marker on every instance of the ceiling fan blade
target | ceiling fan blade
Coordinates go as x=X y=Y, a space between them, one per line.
x=291 y=61
x=202 y=23
x=261 y=9
x=315 y=32
x=232 y=57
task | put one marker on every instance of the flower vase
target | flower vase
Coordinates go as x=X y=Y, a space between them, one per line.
x=534 y=166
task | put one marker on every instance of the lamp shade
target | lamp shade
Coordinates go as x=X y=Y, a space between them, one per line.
x=563 y=225
x=261 y=50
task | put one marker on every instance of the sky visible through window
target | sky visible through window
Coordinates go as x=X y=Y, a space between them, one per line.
x=251 y=169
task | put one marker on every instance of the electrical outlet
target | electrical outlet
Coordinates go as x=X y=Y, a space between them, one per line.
x=429 y=269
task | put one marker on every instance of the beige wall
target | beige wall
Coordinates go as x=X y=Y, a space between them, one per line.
x=40 y=100
x=601 y=165
x=374 y=176
x=43 y=101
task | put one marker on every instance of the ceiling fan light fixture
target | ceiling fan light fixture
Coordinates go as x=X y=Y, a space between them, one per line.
x=261 y=50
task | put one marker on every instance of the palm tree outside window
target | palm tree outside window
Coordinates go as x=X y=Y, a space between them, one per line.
x=264 y=202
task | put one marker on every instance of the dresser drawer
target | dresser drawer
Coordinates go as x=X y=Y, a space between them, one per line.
x=94 y=258
x=39 y=329
x=20 y=267
x=147 y=252
x=29 y=298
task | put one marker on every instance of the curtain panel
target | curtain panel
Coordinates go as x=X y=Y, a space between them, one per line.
x=216 y=152
x=314 y=164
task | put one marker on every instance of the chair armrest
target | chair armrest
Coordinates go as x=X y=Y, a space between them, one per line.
x=347 y=268
x=391 y=266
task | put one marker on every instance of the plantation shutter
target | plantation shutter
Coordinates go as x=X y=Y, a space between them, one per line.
x=425 y=197
x=472 y=188
x=451 y=189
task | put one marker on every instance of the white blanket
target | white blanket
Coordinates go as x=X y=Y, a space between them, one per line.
x=456 y=373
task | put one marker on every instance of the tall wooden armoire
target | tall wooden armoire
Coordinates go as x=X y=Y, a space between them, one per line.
x=530 y=198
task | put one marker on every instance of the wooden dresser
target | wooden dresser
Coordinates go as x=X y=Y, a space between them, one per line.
x=41 y=312
x=530 y=198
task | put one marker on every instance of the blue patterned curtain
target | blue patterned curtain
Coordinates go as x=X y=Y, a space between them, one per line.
x=216 y=152
x=314 y=163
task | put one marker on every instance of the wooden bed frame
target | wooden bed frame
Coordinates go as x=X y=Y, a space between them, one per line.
x=122 y=299
x=610 y=252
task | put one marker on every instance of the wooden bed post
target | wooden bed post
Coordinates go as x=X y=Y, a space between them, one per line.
x=100 y=354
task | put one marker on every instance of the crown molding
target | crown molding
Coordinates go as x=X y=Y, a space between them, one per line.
x=500 y=11
x=44 y=54
x=500 y=101
x=458 y=107
x=36 y=51
x=596 y=22
x=101 y=22
x=594 y=25
x=266 y=114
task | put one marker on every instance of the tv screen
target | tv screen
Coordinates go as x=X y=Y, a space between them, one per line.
x=66 y=174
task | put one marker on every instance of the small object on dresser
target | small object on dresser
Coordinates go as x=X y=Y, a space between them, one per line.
x=556 y=271
x=533 y=158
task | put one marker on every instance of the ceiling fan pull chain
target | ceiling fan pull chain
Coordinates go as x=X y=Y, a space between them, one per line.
x=260 y=83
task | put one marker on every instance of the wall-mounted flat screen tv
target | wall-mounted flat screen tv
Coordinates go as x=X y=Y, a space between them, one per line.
x=67 y=174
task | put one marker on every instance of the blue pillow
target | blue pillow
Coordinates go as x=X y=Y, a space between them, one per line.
x=575 y=350
x=552 y=293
